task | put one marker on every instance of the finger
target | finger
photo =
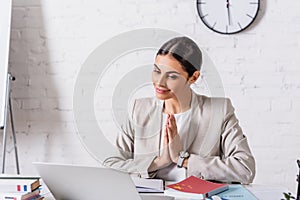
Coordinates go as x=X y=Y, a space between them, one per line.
x=168 y=120
x=170 y=133
x=172 y=130
x=166 y=137
x=172 y=121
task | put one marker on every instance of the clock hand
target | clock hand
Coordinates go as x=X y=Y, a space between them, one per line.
x=228 y=12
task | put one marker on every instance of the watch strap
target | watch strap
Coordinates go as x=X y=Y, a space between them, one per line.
x=182 y=156
x=180 y=162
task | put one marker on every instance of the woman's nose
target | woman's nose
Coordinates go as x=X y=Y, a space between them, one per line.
x=159 y=79
x=162 y=80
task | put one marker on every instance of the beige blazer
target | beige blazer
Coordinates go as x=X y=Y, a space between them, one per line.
x=218 y=148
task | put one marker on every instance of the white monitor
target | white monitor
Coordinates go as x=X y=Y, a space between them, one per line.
x=94 y=183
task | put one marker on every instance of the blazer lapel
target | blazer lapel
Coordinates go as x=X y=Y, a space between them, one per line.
x=211 y=121
x=195 y=120
x=149 y=135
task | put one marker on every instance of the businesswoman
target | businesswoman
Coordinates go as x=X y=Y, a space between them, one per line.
x=179 y=133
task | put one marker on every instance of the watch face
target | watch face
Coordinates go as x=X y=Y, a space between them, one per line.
x=227 y=16
x=184 y=154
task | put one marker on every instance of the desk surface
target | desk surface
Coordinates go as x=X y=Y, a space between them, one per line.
x=267 y=192
x=260 y=191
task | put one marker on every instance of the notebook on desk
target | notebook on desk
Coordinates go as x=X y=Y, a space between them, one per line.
x=70 y=182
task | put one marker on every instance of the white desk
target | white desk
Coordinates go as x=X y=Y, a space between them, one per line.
x=267 y=192
x=260 y=191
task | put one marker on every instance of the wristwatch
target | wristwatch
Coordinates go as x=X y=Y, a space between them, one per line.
x=182 y=156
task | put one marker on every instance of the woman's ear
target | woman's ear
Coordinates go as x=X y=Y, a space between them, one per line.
x=194 y=77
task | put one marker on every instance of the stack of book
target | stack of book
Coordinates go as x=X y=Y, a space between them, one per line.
x=195 y=188
x=17 y=187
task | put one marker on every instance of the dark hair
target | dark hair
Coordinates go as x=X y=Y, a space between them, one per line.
x=185 y=51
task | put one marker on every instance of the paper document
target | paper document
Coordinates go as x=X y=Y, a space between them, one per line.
x=237 y=192
x=144 y=185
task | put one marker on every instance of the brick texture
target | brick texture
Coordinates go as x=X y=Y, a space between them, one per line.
x=259 y=68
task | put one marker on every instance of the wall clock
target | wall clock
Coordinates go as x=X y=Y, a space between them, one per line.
x=227 y=16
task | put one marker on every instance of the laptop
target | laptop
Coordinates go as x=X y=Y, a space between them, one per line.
x=72 y=182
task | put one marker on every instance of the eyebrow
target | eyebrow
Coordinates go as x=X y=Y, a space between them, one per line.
x=169 y=72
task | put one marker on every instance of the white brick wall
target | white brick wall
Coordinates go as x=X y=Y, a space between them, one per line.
x=259 y=68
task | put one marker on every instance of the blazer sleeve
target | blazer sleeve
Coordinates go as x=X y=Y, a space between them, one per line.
x=125 y=158
x=235 y=162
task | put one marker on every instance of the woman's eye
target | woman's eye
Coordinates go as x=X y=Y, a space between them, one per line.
x=173 y=77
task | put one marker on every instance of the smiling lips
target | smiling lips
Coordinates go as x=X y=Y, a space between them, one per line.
x=161 y=90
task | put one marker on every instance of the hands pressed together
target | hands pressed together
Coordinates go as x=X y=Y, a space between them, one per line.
x=172 y=145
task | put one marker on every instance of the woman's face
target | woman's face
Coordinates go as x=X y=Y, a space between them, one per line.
x=170 y=80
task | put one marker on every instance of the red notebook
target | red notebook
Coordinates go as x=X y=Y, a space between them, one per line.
x=193 y=187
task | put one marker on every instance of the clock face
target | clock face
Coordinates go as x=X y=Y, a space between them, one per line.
x=227 y=16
